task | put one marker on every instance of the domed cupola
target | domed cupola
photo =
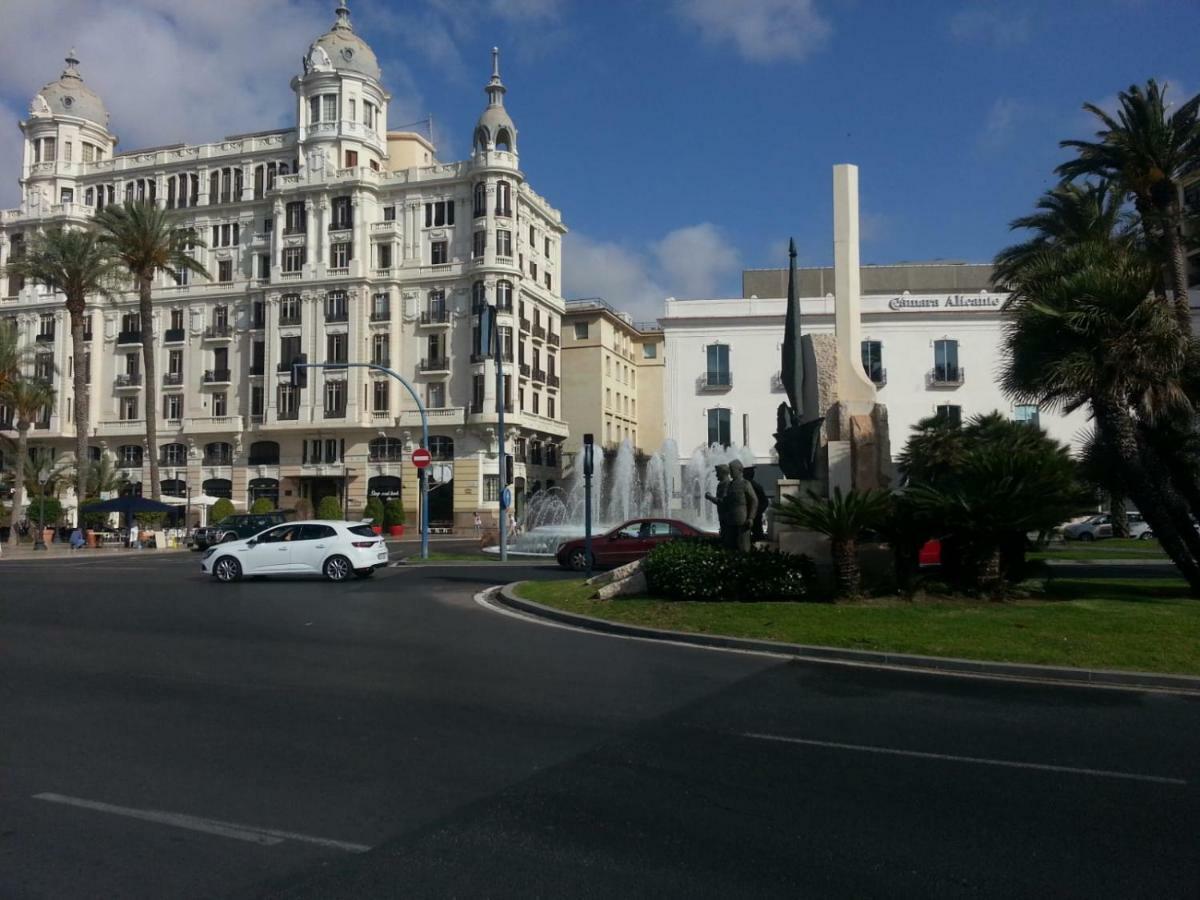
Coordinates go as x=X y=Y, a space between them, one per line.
x=495 y=129
x=69 y=96
x=340 y=49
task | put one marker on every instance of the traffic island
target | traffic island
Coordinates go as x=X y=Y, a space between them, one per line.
x=1142 y=633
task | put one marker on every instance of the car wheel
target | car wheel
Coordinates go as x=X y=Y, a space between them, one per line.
x=1146 y=536
x=226 y=538
x=363 y=573
x=577 y=560
x=337 y=568
x=227 y=569
x=1087 y=536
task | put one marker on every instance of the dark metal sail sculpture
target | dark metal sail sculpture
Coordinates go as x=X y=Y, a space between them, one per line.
x=798 y=435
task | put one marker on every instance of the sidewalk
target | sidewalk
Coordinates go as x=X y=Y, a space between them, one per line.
x=58 y=550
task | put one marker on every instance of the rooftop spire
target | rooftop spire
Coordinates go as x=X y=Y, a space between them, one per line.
x=72 y=61
x=495 y=87
x=343 y=16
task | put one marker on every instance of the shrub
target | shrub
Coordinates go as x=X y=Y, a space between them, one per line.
x=151 y=521
x=373 y=511
x=261 y=506
x=49 y=514
x=329 y=508
x=222 y=509
x=94 y=520
x=393 y=513
x=703 y=570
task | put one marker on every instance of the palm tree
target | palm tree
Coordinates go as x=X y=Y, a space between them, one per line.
x=1085 y=328
x=842 y=518
x=12 y=355
x=1101 y=468
x=78 y=264
x=1147 y=153
x=146 y=241
x=26 y=397
x=1067 y=214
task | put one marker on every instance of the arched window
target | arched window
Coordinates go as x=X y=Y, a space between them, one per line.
x=482 y=138
x=504 y=294
x=129 y=456
x=503 y=140
x=173 y=487
x=264 y=489
x=441 y=447
x=385 y=487
x=503 y=198
x=218 y=454
x=386 y=449
x=480 y=199
x=173 y=455
x=478 y=296
x=264 y=453
x=219 y=487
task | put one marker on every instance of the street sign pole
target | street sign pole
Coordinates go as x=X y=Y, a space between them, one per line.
x=587 y=500
x=424 y=429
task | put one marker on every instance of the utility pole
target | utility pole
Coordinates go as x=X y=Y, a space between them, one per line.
x=588 y=448
x=492 y=332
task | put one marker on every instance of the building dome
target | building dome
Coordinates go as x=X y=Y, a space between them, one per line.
x=341 y=50
x=495 y=129
x=69 y=96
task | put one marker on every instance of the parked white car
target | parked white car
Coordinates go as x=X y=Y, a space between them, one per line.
x=1096 y=527
x=334 y=549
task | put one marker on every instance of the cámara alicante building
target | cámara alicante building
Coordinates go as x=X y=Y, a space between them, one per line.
x=336 y=239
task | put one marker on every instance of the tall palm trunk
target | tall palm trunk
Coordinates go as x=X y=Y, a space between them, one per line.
x=146 y=311
x=1177 y=262
x=1119 y=513
x=1118 y=430
x=19 y=476
x=991 y=581
x=845 y=567
x=82 y=410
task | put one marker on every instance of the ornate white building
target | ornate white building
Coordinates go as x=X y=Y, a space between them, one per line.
x=336 y=239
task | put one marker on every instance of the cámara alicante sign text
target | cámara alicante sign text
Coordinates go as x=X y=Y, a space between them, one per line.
x=954 y=301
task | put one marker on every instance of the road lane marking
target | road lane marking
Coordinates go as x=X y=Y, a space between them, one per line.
x=252 y=833
x=976 y=760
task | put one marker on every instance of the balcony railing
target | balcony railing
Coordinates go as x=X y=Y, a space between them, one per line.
x=289 y=319
x=256 y=369
x=174 y=336
x=218 y=459
x=337 y=315
x=381 y=315
x=945 y=377
x=715 y=381
x=435 y=364
x=435 y=317
x=129 y=337
x=525 y=369
x=216 y=376
x=525 y=326
x=539 y=375
x=879 y=376
x=283 y=367
x=45 y=338
x=132 y=379
x=553 y=339
x=552 y=379
x=335 y=412
x=172 y=379
x=504 y=305
x=285 y=415
x=217 y=332
x=539 y=332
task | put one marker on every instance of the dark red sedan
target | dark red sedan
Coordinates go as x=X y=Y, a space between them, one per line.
x=625 y=543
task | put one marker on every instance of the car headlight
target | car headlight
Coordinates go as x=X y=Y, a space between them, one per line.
x=209 y=552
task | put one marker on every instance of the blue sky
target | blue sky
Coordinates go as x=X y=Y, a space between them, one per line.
x=684 y=139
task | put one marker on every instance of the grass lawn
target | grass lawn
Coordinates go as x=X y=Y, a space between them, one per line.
x=1146 y=624
x=435 y=556
x=1112 y=548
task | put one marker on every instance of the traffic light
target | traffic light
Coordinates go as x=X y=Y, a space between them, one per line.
x=300 y=371
x=587 y=454
x=508 y=468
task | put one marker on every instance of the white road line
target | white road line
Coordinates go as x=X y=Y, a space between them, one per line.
x=252 y=833
x=1006 y=763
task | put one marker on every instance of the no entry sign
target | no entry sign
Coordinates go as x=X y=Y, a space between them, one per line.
x=421 y=457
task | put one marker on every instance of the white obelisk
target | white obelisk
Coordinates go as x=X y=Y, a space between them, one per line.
x=854 y=388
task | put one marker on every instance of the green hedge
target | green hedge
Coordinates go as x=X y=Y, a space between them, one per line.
x=393 y=513
x=222 y=509
x=373 y=511
x=48 y=510
x=261 y=506
x=329 y=508
x=703 y=570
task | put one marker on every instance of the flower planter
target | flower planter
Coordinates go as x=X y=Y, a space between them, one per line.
x=48 y=535
x=91 y=537
x=378 y=529
x=396 y=530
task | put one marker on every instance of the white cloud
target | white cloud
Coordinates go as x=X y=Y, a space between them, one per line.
x=1000 y=27
x=1000 y=120
x=171 y=70
x=760 y=30
x=693 y=261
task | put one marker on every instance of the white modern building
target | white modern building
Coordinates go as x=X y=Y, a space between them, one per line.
x=931 y=340
x=336 y=239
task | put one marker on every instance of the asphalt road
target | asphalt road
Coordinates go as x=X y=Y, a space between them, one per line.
x=164 y=736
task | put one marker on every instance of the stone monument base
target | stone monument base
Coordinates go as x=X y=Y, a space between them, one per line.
x=790 y=538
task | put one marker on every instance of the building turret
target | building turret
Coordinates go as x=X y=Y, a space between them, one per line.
x=341 y=111
x=495 y=129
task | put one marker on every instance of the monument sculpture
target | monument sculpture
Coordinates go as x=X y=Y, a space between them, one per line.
x=798 y=433
x=758 y=533
x=738 y=507
x=722 y=471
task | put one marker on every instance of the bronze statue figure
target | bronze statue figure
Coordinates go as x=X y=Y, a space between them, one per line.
x=722 y=471
x=759 y=532
x=739 y=505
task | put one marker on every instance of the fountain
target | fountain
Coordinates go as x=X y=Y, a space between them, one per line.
x=625 y=486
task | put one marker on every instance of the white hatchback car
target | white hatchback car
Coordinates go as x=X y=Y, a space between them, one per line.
x=334 y=549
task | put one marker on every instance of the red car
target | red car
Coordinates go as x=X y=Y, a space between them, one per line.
x=625 y=543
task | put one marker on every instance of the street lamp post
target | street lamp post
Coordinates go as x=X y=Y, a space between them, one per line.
x=297 y=366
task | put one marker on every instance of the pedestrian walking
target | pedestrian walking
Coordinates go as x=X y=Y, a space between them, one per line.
x=134 y=544
x=478 y=524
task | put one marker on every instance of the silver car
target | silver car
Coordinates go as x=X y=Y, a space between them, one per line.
x=1097 y=527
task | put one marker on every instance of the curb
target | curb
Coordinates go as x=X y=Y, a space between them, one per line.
x=1065 y=675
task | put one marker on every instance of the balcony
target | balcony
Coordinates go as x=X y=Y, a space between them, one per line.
x=539 y=375
x=435 y=364
x=284 y=367
x=879 y=377
x=552 y=380
x=539 y=332
x=45 y=338
x=945 y=377
x=288 y=415
x=218 y=332
x=174 y=336
x=504 y=305
x=337 y=315
x=223 y=458
x=129 y=337
x=255 y=370
x=129 y=380
x=216 y=376
x=335 y=412
x=525 y=370
x=714 y=381
x=435 y=317
x=173 y=379
x=285 y=320
x=381 y=315
x=553 y=339
x=525 y=326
